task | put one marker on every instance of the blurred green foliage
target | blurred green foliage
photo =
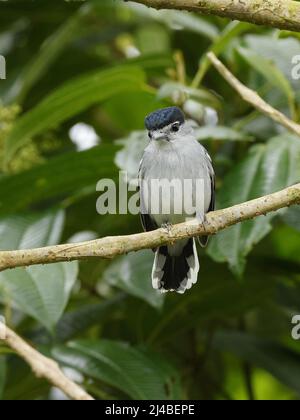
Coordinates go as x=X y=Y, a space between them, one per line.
x=107 y=64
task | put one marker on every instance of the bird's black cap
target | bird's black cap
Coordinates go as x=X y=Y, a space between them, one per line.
x=163 y=117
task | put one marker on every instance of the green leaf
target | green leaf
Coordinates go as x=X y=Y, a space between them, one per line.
x=292 y=217
x=288 y=250
x=31 y=230
x=40 y=291
x=221 y=133
x=130 y=115
x=153 y=39
x=9 y=37
x=173 y=387
x=126 y=368
x=289 y=294
x=231 y=31
x=153 y=64
x=132 y=274
x=179 y=20
x=279 y=51
x=266 y=169
x=49 y=51
x=60 y=176
x=21 y=384
x=282 y=363
x=73 y=97
x=217 y=296
x=175 y=91
x=271 y=72
x=78 y=321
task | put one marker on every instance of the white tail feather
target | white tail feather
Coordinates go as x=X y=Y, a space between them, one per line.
x=187 y=282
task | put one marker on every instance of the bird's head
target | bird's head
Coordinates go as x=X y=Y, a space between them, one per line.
x=165 y=124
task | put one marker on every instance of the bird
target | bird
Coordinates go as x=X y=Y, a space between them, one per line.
x=174 y=153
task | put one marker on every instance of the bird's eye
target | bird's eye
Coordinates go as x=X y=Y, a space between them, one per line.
x=175 y=127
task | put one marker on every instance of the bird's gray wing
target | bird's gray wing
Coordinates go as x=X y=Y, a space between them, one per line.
x=212 y=205
x=146 y=220
x=203 y=240
x=147 y=223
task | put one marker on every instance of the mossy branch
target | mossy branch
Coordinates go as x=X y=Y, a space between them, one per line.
x=282 y=14
x=42 y=366
x=111 y=247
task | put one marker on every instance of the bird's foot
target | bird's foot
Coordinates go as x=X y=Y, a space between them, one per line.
x=167 y=227
x=201 y=218
x=203 y=239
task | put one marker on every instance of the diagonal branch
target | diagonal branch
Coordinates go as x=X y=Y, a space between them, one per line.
x=112 y=246
x=282 y=14
x=252 y=97
x=42 y=366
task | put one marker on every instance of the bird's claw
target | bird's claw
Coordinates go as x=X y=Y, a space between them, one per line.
x=167 y=227
x=201 y=218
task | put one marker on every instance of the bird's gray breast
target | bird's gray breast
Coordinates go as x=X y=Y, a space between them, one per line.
x=182 y=164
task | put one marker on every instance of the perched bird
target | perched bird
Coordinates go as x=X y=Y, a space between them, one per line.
x=173 y=152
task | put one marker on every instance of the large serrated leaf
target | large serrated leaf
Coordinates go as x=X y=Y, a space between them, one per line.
x=273 y=74
x=31 y=230
x=40 y=291
x=266 y=169
x=126 y=368
x=75 y=322
x=279 y=51
x=221 y=133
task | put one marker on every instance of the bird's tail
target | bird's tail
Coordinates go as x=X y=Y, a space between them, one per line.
x=175 y=267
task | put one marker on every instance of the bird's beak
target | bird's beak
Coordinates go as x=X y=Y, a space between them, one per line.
x=158 y=135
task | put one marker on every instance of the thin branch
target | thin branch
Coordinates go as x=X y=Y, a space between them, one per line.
x=282 y=14
x=252 y=97
x=110 y=247
x=42 y=366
